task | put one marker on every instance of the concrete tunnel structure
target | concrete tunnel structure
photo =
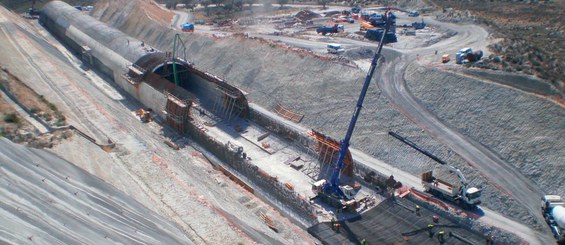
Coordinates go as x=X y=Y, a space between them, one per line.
x=142 y=71
x=146 y=74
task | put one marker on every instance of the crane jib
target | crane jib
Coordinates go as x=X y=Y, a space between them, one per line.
x=344 y=144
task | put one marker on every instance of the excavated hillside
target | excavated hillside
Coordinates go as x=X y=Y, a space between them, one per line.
x=47 y=200
x=324 y=91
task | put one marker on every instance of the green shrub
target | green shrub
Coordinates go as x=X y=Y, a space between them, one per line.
x=11 y=118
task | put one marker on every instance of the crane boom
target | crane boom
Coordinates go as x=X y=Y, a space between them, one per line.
x=344 y=144
x=459 y=174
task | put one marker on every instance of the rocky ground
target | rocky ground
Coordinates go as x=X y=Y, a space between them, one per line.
x=531 y=34
x=326 y=93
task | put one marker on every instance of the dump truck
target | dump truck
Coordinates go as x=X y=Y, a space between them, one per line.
x=460 y=194
x=553 y=210
x=329 y=29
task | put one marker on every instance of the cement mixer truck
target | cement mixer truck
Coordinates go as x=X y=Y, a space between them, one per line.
x=553 y=209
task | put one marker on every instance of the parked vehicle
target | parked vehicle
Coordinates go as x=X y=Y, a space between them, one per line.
x=461 y=194
x=335 y=49
x=553 y=210
x=331 y=29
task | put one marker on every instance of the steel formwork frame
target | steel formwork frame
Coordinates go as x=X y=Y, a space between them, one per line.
x=327 y=151
x=228 y=104
x=177 y=112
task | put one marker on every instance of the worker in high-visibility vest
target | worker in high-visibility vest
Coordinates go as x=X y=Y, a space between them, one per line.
x=440 y=236
x=430 y=230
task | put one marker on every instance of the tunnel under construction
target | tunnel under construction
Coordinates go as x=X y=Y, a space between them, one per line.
x=181 y=94
x=192 y=101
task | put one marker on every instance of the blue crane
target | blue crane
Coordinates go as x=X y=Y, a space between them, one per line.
x=333 y=186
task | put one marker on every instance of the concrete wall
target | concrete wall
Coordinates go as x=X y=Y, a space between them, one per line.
x=60 y=19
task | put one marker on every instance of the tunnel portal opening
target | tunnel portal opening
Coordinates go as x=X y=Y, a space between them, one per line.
x=210 y=92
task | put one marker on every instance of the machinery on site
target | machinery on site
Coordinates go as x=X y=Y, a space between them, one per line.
x=330 y=29
x=335 y=48
x=31 y=13
x=187 y=27
x=467 y=55
x=379 y=33
x=331 y=191
x=445 y=58
x=553 y=210
x=144 y=115
x=461 y=194
x=419 y=25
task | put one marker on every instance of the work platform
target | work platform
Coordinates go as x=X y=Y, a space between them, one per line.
x=394 y=221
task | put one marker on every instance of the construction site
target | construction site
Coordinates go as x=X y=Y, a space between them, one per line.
x=306 y=124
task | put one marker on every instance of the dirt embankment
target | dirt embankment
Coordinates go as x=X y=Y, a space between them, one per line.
x=523 y=129
x=12 y=123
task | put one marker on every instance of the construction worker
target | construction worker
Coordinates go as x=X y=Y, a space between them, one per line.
x=418 y=210
x=430 y=230
x=363 y=242
x=337 y=227
x=333 y=222
x=440 y=237
x=490 y=239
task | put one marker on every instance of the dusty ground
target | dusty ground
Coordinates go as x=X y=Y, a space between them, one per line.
x=179 y=185
x=47 y=200
x=326 y=91
x=524 y=129
x=531 y=34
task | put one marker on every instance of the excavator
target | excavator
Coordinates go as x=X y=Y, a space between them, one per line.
x=331 y=191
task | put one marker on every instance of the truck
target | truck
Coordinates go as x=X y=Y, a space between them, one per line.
x=553 y=210
x=445 y=58
x=335 y=48
x=460 y=194
x=375 y=34
x=329 y=29
x=419 y=25
x=187 y=27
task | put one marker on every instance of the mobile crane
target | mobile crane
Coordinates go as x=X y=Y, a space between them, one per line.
x=331 y=191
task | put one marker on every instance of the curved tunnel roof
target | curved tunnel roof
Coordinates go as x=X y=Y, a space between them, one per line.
x=66 y=16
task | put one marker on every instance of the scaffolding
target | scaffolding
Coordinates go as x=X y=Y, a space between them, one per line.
x=177 y=112
x=229 y=104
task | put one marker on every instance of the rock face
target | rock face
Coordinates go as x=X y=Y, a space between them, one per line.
x=48 y=200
